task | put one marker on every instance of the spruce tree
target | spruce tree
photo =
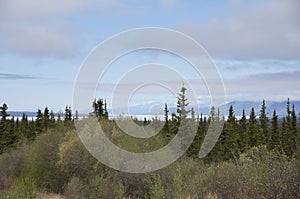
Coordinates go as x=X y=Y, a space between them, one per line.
x=294 y=132
x=39 y=121
x=8 y=136
x=197 y=141
x=202 y=126
x=3 y=112
x=105 y=110
x=3 y=124
x=186 y=126
x=289 y=144
x=182 y=103
x=205 y=124
x=275 y=133
x=252 y=129
x=199 y=137
x=244 y=138
x=25 y=131
x=166 y=125
x=46 y=119
x=283 y=140
x=173 y=124
x=263 y=136
x=17 y=127
x=68 y=116
x=230 y=136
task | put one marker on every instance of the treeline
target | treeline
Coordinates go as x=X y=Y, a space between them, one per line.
x=15 y=131
x=257 y=129
x=238 y=135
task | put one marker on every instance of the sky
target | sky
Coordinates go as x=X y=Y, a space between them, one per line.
x=255 y=45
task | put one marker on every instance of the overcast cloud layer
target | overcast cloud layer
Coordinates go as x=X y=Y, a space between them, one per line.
x=46 y=28
x=43 y=28
x=268 y=30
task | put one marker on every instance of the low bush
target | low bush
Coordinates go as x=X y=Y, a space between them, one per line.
x=57 y=162
x=10 y=166
x=41 y=162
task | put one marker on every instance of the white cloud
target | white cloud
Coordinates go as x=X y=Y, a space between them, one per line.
x=37 y=40
x=43 y=28
x=37 y=28
x=28 y=9
x=267 y=30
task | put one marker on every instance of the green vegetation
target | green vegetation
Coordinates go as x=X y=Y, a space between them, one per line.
x=254 y=158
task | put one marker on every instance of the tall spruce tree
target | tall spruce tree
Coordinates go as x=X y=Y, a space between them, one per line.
x=263 y=136
x=166 y=125
x=39 y=121
x=230 y=135
x=274 y=142
x=243 y=134
x=105 y=110
x=46 y=118
x=4 y=128
x=294 y=132
x=24 y=128
x=289 y=141
x=68 y=116
x=182 y=103
x=11 y=137
x=186 y=126
x=198 y=140
x=252 y=129
x=283 y=142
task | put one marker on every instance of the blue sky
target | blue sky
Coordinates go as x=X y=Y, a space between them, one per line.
x=255 y=45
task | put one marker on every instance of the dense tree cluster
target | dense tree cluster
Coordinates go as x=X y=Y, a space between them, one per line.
x=14 y=132
x=238 y=135
x=100 y=109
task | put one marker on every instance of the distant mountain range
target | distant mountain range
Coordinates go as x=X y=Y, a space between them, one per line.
x=20 y=113
x=281 y=107
x=238 y=106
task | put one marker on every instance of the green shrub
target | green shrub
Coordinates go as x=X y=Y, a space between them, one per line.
x=41 y=162
x=23 y=188
x=96 y=187
x=10 y=166
x=74 y=159
x=75 y=189
x=156 y=187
